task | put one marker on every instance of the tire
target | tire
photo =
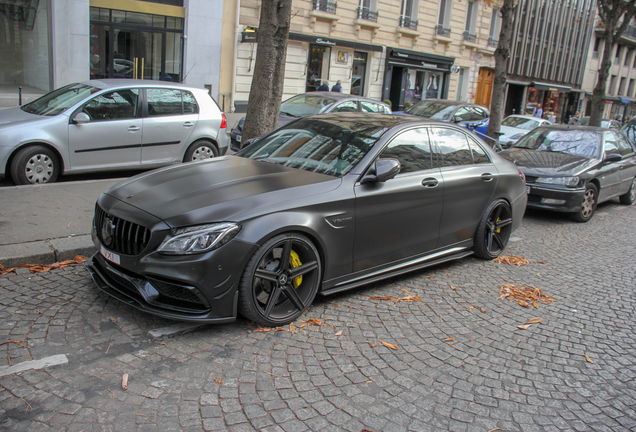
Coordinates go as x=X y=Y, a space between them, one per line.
x=275 y=292
x=201 y=150
x=588 y=206
x=630 y=196
x=35 y=165
x=494 y=230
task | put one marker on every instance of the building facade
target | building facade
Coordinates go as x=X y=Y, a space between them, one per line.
x=45 y=44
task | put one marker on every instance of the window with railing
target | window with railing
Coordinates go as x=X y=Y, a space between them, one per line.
x=469 y=37
x=495 y=28
x=493 y=43
x=443 y=15
x=367 y=14
x=408 y=23
x=325 y=6
x=441 y=31
x=408 y=17
x=471 y=21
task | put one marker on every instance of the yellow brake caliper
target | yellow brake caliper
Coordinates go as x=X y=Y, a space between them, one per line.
x=498 y=220
x=294 y=261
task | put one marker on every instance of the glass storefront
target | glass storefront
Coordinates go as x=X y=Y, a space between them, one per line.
x=359 y=72
x=135 y=45
x=318 y=67
x=24 y=48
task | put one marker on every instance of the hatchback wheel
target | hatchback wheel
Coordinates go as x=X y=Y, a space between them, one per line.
x=494 y=230
x=588 y=207
x=34 y=165
x=630 y=196
x=280 y=281
x=201 y=150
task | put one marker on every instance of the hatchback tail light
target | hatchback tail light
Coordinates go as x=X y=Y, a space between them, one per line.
x=522 y=175
x=223 y=122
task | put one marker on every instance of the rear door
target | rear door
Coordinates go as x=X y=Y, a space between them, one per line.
x=169 y=119
x=113 y=135
x=627 y=164
x=609 y=174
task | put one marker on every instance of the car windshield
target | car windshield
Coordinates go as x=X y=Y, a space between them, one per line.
x=59 y=100
x=520 y=123
x=585 y=121
x=577 y=142
x=432 y=109
x=326 y=146
x=306 y=105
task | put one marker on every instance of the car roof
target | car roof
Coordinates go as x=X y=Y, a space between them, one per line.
x=450 y=103
x=386 y=120
x=573 y=128
x=525 y=117
x=118 y=83
x=337 y=96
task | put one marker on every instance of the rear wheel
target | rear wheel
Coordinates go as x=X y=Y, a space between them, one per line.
x=588 y=207
x=630 y=196
x=494 y=230
x=280 y=281
x=201 y=150
x=35 y=165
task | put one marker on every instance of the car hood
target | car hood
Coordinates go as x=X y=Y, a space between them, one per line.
x=15 y=115
x=544 y=163
x=509 y=132
x=228 y=188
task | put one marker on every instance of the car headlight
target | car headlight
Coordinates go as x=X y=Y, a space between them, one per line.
x=564 y=181
x=197 y=239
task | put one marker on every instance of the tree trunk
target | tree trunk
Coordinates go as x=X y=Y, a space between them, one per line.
x=502 y=55
x=598 y=95
x=269 y=69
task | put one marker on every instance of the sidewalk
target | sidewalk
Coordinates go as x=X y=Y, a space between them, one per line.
x=48 y=223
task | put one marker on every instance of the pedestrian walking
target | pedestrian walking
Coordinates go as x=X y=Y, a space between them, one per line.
x=324 y=86
x=337 y=87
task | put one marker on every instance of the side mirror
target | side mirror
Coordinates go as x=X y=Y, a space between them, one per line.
x=457 y=119
x=81 y=118
x=381 y=171
x=614 y=157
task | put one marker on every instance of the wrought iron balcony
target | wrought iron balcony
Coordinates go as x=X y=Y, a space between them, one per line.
x=492 y=42
x=325 y=6
x=469 y=37
x=440 y=30
x=408 y=23
x=367 y=14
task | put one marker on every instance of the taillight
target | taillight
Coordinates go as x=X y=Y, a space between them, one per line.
x=522 y=175
x=223 y=122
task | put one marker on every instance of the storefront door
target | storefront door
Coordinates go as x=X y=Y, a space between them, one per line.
x=359 y=72
x=317 y=67
x=484 y=87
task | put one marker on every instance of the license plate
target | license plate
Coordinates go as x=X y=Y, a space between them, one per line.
x=238 y=138
x=112 y=257
x=528 y=189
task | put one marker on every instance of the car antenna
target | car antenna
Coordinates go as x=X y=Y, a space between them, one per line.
x=186 y=75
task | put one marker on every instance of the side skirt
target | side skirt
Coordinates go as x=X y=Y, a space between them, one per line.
x=398 y=269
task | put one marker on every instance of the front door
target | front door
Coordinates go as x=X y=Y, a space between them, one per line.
x=484 y=87
x=359 y=73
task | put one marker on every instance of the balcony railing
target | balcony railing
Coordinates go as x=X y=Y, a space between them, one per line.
x=408 y=23
x=325 y=6
x=468 y=37
x=492 y=42
x=367 y=14
x=440 y=30
x=630 y=31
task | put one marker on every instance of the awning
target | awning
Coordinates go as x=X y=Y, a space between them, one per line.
x=550 y=87
x=625 y=100
x=525 y=84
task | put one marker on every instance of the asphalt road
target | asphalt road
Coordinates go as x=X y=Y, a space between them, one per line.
x=454 y=361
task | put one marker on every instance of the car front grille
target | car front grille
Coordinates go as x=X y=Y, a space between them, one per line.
x=128 y=238
x=531 y=179
x=534 y=198
x=179 y=293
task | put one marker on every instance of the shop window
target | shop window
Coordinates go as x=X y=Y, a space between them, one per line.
x=317 y=67
x=359 y=73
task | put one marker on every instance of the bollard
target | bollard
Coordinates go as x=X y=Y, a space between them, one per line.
x=20 y=95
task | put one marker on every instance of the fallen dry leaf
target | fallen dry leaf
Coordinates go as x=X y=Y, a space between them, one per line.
x=524 y=295
x=588 y=359
x=292 y=328
x=314 y=321
x=373 y=345
x=482 y=310
x=471 y=308
x=430 y=277
x=449 y=339
x=40 y=268
x=218 y=381
x=124 y=382
x=453 y=287
x=541 y=262
x=409 y=299
x=262 y=330
x=512 y=260
x=536 y=320
x=386 y=297
x=524 y=327
x=388 y=345
x=339 y=333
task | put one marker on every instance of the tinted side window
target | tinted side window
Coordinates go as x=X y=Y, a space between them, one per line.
x=611 y=146
x=479 y=155
x=624 y=146
x=479 y=114
x=370 y=107
x=452 y=147
x=189 y=103
x=412 y=149
x=464 y=114
x=116 y=105
x=164 y=102
x=349 y=106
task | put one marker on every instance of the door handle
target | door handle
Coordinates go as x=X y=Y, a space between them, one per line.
x=188 y=124
x=487 y=177
x=430 y=182
x=133 y=128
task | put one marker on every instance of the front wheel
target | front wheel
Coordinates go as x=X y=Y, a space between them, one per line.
x=630 y=196
x=280 y=281
x=588 y=207
x=201 y=150
x=494 y=230
x=34 y=165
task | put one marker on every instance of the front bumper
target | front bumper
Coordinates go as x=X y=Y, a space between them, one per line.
x=196 y=288
x=235 y=140
x=556 y=198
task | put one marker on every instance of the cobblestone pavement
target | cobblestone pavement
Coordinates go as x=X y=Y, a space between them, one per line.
x=461 y=362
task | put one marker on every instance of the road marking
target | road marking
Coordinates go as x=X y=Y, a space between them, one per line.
x=177 y=328
x=34 y=364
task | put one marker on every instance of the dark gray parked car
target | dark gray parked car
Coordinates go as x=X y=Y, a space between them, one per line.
x=110 y=124
x=321 y=205
x=307 y=104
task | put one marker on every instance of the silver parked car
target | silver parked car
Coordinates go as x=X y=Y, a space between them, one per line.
x=106 y=125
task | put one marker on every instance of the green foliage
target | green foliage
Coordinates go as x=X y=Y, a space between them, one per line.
x=388 y=102
x=407 y=104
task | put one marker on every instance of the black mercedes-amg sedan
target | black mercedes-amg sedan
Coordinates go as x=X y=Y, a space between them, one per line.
x=321 y=205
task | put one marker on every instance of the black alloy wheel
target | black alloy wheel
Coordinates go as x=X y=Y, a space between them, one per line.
x=630 y=196
x=494 y=230
x=588 y=206
x=280 y=281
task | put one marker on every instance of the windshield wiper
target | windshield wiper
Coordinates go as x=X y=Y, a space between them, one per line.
x=268 y=160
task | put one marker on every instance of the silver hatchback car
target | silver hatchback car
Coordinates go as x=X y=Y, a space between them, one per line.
x=109 y=124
